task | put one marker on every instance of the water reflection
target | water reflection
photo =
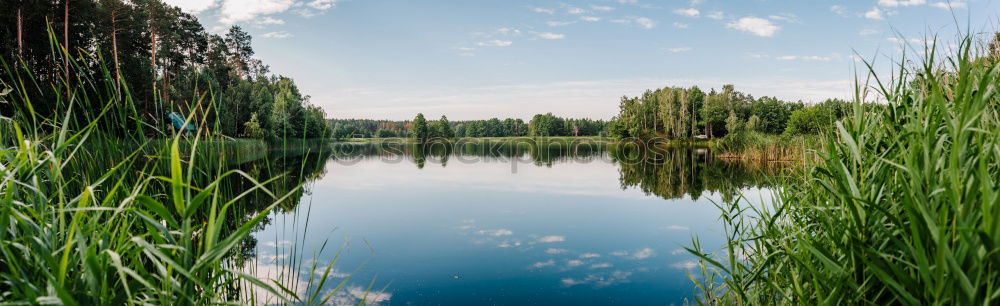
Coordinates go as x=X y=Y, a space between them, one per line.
x=490 y=222
x=668 y=172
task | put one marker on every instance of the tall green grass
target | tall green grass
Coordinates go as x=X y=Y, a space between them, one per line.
x=902 y=207
x=90 y=216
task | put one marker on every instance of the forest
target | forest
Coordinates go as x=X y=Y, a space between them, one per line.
x=160 y=58
x=690 y=113
x=539 y=125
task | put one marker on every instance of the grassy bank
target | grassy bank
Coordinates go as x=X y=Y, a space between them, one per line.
x=901 y=207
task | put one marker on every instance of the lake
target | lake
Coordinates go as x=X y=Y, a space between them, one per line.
x=504 y=223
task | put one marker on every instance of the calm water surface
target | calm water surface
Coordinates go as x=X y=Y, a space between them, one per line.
x=513 y=226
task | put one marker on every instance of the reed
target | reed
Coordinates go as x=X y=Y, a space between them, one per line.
x=93 y=212
x=902 y=206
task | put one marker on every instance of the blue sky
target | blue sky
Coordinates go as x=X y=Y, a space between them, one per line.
x=389 y=59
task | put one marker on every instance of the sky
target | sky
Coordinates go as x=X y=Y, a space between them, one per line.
x=478 y=59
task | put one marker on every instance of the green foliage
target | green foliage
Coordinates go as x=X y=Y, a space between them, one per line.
x=419 y=130
x=442 y=128
x=161 y=59
x=900 y=207
x=810 y=120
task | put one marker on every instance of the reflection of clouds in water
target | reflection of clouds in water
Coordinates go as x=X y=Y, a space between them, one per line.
x=643 y=253
x=574 y=263
x=602 y=179
x=601 y=265
x=551 y=239
x=509 y=244
x=599 y=280
x=278 y=243
x=639 y=254
x=555 y=251
x=271 y=274
x=271 y=258
x=542 y=264
x=355 y=295
x=590 y=255
x=496 y=232
x=686 y=265
x=675 y=227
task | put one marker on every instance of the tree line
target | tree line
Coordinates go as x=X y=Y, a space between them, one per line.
x=158 y=59
x=690 y=113
x=539 y=125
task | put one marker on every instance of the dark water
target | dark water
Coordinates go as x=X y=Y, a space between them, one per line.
x=511 y=224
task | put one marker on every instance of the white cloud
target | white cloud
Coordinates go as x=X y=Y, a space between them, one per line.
x=495 y=43
x=947 y=5
x=602 y=8
x=633 y=2
x=602 y=265
x=509 y=31
x=679 y=49
x=575 y=10
x=689 y=12
x=754 y=25
x=234 y=11
x=552 y=238
x=839 y=10
x=875 y=13
x=555 y=251
x=896 y=3
x=551 y=36
x=590 y=18
x=321 y=4
x=192 y=6
x=717 y=15
x=542 y=264
x=269 y=21
x=276 y=35
x=559 y=23
x=809 y=58
x=496 y=232
x=590 y=255
x=681 y=25
x=866 y=32
x=574 y=263
x=641 y=21
x=911 y=40
x=645 y=22
x=543 y=10
x=786 y=17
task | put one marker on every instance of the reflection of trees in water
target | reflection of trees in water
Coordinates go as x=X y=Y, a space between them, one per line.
x=538 y=152
x=665 y=171
x=673 y=172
